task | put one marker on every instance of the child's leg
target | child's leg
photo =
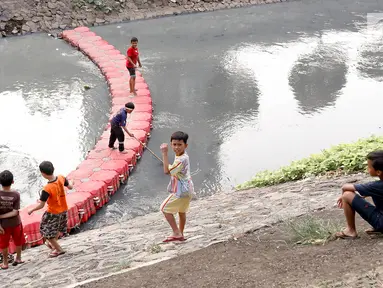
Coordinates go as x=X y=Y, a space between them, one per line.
x=5 y=257
x=134 y=85
x=182 y=221
x=349 y=212
x=55 y=244
x=173 y=224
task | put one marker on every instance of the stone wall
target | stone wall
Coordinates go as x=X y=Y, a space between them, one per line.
x=19 y=17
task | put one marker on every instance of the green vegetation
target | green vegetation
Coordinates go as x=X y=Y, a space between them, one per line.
x=344 y=158
x=309 y=230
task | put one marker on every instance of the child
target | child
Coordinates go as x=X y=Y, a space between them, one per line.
x=10 y=219
x=54 y=220
x=352 y=202
x=180 y=187
x=118 y=123
x=131 y=64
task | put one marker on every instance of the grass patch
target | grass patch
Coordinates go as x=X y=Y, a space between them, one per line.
x=343 y=158
x=155 y=248
x=309 y=230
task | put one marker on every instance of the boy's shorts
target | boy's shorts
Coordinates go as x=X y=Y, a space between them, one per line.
x=173 y=205
x=52 y=224
x=368 y=212
x=17 y=234
x=132 y=72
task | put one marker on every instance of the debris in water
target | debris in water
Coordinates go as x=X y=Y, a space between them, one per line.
x=86 y=87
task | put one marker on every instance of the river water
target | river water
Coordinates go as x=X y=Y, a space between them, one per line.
x=255 y=88
x=46 y=113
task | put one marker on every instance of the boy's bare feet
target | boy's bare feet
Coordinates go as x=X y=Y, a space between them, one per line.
x=372 y=231
x=346 y=235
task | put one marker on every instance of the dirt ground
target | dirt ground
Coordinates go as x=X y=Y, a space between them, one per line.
x=267 y=258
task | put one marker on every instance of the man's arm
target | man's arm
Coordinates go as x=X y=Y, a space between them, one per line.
x=11 y=214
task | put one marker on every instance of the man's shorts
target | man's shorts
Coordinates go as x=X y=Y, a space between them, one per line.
x=52 y=224
x=17 y=234
x=173 y=205
x=132 y=72
x=368 y=212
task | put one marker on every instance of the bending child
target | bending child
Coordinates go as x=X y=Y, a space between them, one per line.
x=180 y=187
x=54 y=220
x=351 y=202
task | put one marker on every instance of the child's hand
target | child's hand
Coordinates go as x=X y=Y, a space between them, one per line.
x=164 y=148
x=30 y=212
x=339 y=202
x=1 y=230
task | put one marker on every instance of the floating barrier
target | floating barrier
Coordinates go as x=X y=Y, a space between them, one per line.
x=100 y=175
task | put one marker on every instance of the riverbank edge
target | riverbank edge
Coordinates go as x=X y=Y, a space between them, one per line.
x=53 y=18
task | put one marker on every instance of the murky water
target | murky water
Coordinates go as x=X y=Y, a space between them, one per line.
x=44 y=110
x=255 y=88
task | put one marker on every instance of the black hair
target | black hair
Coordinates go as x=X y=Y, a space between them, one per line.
x=129 y=105
x=46 y=167
x=376 y=157
x=179 y=135
x=134 y=39
x=6 y=178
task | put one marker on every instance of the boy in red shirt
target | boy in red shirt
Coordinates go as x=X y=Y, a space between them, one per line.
x=10 y=222
x=131 y=64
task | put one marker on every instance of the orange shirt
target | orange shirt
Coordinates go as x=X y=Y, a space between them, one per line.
x=57 y=199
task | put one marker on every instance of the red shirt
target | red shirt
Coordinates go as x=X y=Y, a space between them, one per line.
x=133 y=54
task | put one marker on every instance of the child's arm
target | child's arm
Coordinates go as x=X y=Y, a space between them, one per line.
x=1 y=230
x=348 y=187
x=37 y=207
x=68 y=184
x=131 y=61
x=43 y=199
x=11 y=214
x=165 y=160
x=139 y=62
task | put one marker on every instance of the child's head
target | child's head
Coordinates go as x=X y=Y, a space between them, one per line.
x=179 y=141
x=134 y=41
x=129 y=107
x=375 y=163
x=46 y=169
x=6 y=178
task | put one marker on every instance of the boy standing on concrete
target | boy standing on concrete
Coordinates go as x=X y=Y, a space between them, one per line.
x=54 y=220
x=180 y=187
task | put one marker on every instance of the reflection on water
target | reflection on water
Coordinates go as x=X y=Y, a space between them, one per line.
x=327 y=104
x=46 y=113
x=318 y=76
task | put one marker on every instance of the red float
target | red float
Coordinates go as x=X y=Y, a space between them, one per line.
x=82 y=29
x=120 y=166
x=110 y=178
x=97 y=189
x=103 y=167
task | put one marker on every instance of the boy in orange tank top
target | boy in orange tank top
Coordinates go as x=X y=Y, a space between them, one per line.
x=54 y=220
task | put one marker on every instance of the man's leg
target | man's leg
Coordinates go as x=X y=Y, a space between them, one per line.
x=112 y=137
